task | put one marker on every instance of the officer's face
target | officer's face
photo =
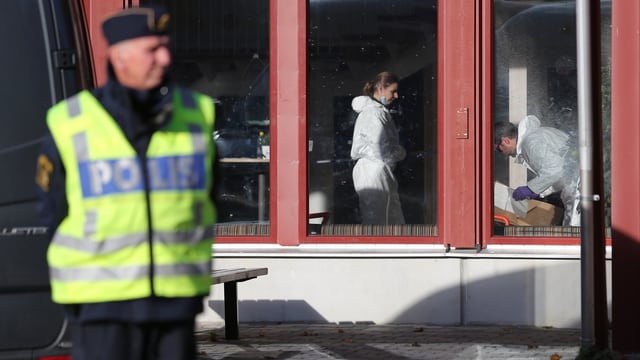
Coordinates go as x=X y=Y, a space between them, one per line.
x=141 y=63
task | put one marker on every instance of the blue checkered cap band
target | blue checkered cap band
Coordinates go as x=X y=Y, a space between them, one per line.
x=136 y=22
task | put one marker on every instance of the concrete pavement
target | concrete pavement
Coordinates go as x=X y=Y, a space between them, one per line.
x=389 y=342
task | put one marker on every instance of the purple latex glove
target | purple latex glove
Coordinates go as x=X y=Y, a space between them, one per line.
x=523 y=192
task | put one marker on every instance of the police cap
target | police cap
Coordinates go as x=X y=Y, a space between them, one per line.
x=136 y=22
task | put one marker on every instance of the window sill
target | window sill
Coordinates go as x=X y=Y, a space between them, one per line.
x=397 y=251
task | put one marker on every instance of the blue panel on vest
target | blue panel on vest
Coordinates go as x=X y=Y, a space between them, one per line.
x=113 y=176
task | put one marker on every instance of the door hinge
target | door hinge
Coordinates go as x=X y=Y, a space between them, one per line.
x=462 y=123
x=64 y=59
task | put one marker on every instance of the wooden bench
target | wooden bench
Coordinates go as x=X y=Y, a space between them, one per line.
x=230 y=278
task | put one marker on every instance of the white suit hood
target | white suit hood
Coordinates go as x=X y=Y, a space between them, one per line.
x=375 y=136
x=360 y=103
x=548 y=153
x=526 y=126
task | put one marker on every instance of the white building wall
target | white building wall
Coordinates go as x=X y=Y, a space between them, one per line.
x=438 y=290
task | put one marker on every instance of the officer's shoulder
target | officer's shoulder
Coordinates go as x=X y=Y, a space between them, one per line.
x=73 y=98
x=194 y=97
x=63 y=105
x=189 y=92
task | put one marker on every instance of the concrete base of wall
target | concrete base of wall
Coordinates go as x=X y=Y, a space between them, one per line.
x=438 y=291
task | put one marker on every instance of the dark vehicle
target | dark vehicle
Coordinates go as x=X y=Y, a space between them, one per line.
x=44 y=60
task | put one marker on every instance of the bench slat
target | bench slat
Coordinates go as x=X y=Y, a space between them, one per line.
x=226 y=275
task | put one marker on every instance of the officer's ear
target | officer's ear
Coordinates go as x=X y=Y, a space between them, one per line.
x=117 y=55
x=114 y=58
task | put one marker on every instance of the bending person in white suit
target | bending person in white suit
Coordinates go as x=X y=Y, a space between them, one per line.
x=547 y=152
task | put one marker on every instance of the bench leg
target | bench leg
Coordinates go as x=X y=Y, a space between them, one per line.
x=231 y=331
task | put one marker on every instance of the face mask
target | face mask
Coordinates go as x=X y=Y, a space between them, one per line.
x=383 y=100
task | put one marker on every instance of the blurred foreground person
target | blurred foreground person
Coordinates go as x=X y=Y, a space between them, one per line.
x=125 y=181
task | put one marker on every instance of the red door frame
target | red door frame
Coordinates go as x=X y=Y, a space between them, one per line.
x=285 y=104
x=458 y=132
x=459 y=45
x=484 y=97
x=458 y=113
x=95 y=12
x=464 y=158
x=288 y=82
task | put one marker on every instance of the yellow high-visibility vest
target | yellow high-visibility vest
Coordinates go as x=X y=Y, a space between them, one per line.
x=128 y=235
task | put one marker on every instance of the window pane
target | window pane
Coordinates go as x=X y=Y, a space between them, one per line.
x=349 y=43
x=221 y=48
x=535 y=117
x=24 y=66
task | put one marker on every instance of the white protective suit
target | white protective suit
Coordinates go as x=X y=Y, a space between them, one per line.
x=548 y=153
x=377 y=149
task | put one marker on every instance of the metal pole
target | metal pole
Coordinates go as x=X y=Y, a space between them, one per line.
x=594 y=325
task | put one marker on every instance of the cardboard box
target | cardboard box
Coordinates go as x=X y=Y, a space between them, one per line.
x=526 y=212
x=539 y=214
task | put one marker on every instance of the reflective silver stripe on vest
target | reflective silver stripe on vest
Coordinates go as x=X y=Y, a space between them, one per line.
x=81 y=146
x=128 y=272
x=110 y=245
x=116 y=243
x=73 y=106
x=197 y=139
x=183 y=269
x=191 y=237
x=100 y=273
x=90 y=223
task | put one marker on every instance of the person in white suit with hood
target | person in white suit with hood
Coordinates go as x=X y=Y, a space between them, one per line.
x=376 y=149
x=549 y=154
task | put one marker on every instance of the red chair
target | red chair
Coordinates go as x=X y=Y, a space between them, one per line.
x=325 y=215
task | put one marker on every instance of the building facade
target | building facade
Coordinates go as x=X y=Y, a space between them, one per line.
x=283 y=74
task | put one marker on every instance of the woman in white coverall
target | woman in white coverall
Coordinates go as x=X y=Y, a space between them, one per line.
x=548 y=153
x=377 y=149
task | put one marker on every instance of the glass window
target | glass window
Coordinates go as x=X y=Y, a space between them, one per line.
x=536 y=165
x=391 y=142
x=221 y=48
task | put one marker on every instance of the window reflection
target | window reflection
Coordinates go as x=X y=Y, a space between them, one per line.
x=536 y=98
x=349 y=43
x=221 y=48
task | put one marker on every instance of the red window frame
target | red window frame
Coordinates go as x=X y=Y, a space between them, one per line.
x=465 y=206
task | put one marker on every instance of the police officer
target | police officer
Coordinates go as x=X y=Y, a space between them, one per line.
x=125 y=181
